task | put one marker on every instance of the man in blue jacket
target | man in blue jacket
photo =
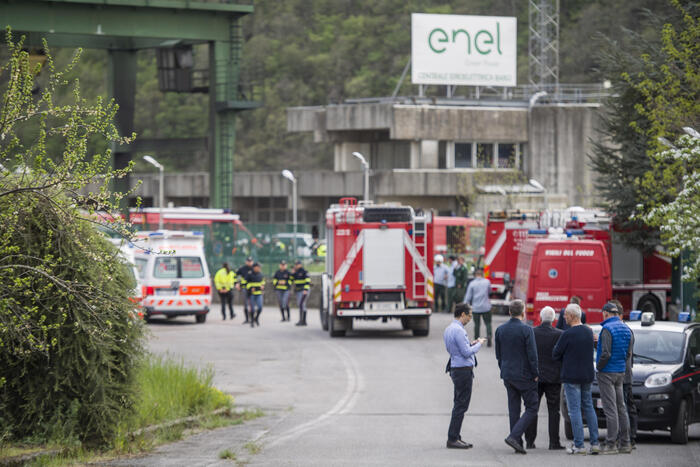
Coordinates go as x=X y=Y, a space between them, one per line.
x=614 y=348
x=516 y=353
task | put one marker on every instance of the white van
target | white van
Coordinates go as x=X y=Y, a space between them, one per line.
x=174 y=274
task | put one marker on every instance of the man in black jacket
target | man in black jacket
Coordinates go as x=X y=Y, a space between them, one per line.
x=516 y=353
x=242 y=278
x=549 y=384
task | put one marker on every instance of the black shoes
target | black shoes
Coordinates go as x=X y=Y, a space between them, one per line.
x=531 y=445
x=515 y=445
x=459 y=444
x=556 y=447
x=488 y=341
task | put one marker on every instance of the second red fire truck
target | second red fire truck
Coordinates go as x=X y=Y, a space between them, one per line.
x=378 y=266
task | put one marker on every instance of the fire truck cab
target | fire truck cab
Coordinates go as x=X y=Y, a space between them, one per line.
x=378 y=266
x=505 y=233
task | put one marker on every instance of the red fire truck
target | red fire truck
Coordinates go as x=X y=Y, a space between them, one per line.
x=505 y=233
x=378 y=266
x=458 y=236
x=639 y=281
x=223 y=232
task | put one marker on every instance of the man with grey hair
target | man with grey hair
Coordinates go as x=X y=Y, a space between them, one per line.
x=549 y=384
x=575 y=351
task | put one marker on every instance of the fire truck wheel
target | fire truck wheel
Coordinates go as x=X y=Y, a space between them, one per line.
x=424 y=329
x=649 y=302
x=331 y=327
x=404 y=324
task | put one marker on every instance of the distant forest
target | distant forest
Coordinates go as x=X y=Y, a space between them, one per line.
x=312 y=52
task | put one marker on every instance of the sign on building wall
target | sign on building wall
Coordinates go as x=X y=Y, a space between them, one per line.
x=463 y=50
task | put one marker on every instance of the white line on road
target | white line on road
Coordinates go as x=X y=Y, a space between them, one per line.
x=354 y=387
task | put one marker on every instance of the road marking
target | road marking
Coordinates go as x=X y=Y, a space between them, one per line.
x=354 y=387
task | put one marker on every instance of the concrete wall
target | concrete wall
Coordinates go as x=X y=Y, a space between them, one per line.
x=449 y=123
x=558 y=153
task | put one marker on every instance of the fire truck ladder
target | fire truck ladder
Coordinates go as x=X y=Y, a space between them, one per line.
x=419 y=238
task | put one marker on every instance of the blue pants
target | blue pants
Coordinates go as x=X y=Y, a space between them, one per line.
x=255 y=303
x=283 y=302
x=527 y=391
x=462 y=379
x=578 y=396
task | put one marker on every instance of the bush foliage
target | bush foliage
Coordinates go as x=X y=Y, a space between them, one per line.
x=68 y=340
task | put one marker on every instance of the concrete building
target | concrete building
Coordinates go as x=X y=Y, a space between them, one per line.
x=455 y=155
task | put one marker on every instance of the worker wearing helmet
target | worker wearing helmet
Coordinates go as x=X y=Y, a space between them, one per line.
x=440 y=277
x=255 y=284
x=242 y=276
x=224 y=280
x=302 y=285
x=282 y=282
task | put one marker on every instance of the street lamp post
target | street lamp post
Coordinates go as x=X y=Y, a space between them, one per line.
x=533 y=100
x=539 y=186
x=155 y=163
x=365 y=168
x=290 y=176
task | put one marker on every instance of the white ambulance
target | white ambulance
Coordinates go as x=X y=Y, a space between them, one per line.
x=174 y=274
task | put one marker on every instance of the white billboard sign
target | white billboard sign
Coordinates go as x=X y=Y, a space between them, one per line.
x=463 y=50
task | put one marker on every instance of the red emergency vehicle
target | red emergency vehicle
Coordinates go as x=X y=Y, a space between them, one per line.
x=553 y=268
x=457 y=236
x=639 y=281
x=505 y=233
x=378 y=266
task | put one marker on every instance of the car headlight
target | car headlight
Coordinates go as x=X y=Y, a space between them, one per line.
x=657 y=380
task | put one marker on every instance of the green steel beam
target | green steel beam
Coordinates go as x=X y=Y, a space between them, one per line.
x=93 y=19
x=73 y=41
x=179 y=4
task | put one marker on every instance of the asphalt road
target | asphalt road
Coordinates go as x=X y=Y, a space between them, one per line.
x=376 y=397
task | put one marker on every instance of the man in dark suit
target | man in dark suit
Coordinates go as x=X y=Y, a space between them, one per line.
x=549 y=384
x=516 y=353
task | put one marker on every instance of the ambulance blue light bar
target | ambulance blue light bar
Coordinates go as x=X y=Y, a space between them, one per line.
x=575 y=232
x=537 y=232
x=684 y=317
x=635 y=315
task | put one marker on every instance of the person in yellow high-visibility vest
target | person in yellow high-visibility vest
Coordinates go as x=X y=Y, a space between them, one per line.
x=224 y=279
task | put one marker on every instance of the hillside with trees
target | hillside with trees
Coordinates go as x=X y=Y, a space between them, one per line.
x=323 y=51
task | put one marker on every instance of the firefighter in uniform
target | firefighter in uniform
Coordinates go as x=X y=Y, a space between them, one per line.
x=302 y=284
x=461 y=273
x=255 y=284
x=281 y=282
x=224 y=280
x=242 y=275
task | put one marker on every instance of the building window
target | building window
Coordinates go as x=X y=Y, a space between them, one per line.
x=463 y=155
x=484 y=155
x=442 y=155
x=506 y=156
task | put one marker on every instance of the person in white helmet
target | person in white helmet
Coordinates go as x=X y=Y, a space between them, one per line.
x=440 y=276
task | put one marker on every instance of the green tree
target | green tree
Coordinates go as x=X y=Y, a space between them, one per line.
x=669 y=89
x=68 y=337
x=620 y=156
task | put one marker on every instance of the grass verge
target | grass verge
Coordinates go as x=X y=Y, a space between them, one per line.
x=173 y=400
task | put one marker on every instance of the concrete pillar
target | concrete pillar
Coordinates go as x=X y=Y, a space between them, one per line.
x=415 y=158
x=429 y=154
x=122 y=87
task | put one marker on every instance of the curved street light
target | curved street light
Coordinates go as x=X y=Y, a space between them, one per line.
x=365 y=168
x=157 y=165
x=290 y=176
